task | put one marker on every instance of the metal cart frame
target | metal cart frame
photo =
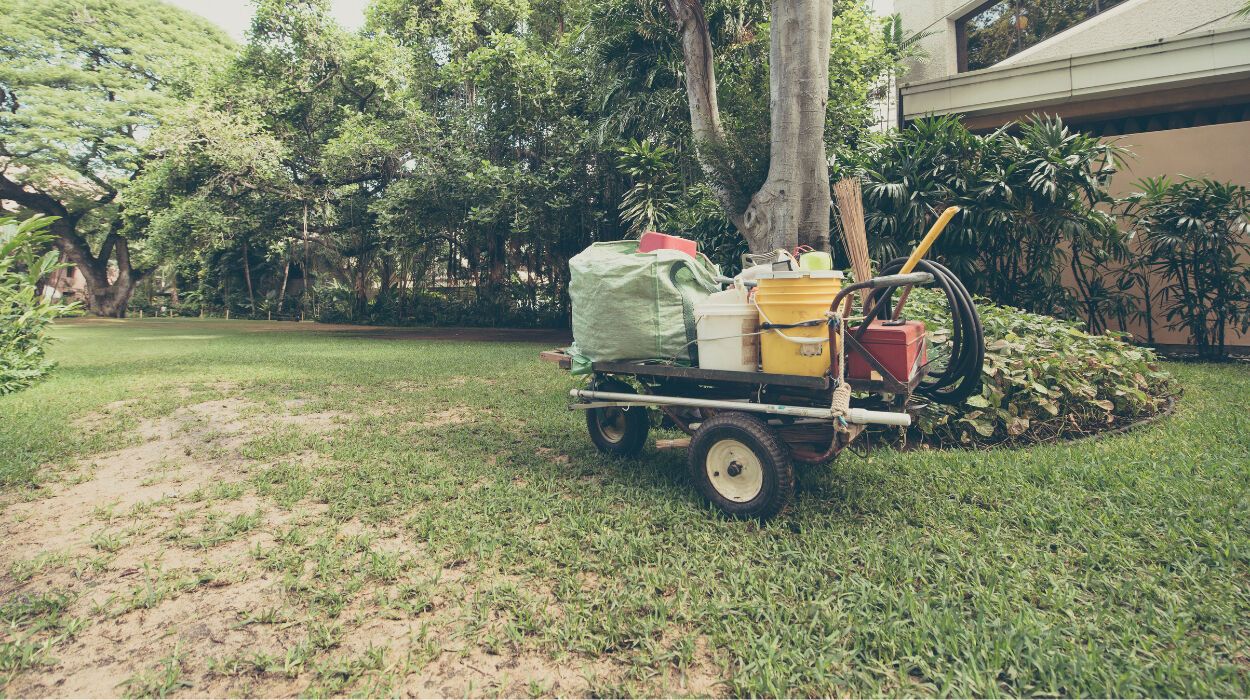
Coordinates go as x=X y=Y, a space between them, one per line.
x=750 y=425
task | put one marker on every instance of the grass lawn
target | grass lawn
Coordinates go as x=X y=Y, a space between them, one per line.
x=218 y=508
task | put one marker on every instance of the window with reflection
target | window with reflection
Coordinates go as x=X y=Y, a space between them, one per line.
x=1002 y=28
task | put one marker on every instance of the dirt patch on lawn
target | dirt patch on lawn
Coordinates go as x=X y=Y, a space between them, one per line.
x=180 y=574
x=152 y=544
x=457 y=415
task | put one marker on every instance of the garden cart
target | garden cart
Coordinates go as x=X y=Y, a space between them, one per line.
x=747 y=429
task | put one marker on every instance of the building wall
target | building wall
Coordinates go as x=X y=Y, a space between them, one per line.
x=1218 y=152
x=1131 y=23
x=1134 y=22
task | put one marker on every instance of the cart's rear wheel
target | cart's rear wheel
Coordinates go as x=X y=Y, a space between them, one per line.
x=741 y=466
x=615 y=430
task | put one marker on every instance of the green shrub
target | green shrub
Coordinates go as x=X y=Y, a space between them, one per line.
x=1195 y=236
x=24 y=316
x=1044 y=378
x=515 y=308
x=1033 y=196
x=655 y=189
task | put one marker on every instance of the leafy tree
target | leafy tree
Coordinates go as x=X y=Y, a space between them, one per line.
x=85 y=82
x=278 y=160
x=444 y=162
x=520 y=182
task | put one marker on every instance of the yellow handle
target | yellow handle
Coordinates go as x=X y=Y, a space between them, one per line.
x=929 y=238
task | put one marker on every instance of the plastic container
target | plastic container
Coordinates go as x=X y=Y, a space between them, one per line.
x=796 y=297
x=727 y=325
x=654 y=240
x=816 y=260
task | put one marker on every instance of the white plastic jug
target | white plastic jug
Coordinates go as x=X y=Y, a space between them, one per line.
x=727 y=329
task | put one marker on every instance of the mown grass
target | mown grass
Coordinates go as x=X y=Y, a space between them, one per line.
x=1111 y=567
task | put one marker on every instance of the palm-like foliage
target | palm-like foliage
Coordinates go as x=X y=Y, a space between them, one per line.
x=1195 y=238
x=1032 y=196
x=653 y=197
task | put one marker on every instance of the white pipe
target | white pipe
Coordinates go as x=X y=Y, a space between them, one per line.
x=652 y=399
x=863 y=415
x=856 y=415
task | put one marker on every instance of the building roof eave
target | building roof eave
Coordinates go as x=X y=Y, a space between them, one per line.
x=1211 y=58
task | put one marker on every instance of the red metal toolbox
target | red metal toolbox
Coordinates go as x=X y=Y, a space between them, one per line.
x=899 y=347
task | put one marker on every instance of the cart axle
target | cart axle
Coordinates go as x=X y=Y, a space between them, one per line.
x=854 y=415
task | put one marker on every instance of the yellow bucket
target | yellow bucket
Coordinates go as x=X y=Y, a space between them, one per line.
x=795 y=297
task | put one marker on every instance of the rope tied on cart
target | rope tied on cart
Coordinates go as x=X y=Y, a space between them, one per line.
x=801 y=324
x=767 y=325
x=841 y=403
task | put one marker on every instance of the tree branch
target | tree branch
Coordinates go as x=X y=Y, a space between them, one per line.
x=696 y=49
x=31 y=198
x=106 y=249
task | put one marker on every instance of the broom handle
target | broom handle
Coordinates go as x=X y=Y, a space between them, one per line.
x=920 y=251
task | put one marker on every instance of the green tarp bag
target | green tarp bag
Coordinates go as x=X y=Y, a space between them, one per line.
x=636 y=306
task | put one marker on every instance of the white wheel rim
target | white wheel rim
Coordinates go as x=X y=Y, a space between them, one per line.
x=734 y=471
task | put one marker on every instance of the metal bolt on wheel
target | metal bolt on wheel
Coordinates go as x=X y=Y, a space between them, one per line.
x=734 y=471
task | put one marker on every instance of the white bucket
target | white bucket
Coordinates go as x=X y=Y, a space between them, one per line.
x=727 y=325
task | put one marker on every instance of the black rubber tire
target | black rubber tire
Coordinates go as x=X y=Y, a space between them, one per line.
x=620 y=432
x=774 y=456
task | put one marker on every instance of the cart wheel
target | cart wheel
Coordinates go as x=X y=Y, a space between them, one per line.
x=620 y=432
x=740 y=466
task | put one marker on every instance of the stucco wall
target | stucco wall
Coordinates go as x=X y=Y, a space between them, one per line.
x=935 y=17
x=1134 y=22
x=1217 y=152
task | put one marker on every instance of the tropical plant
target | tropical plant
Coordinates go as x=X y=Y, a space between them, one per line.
x=1034 y=204
x=652 y=199
x=24 y=314
x=1194 y=236
x=1044 y=379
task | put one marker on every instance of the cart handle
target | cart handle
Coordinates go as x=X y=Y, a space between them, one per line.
x=878 y=283
x=900 y=280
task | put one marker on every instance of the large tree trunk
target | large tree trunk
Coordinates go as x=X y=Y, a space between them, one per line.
x=105 y=297
x=792 y=207
x=696 y=49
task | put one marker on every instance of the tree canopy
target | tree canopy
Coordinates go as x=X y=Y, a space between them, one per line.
x=439 y=164
x=83 y=84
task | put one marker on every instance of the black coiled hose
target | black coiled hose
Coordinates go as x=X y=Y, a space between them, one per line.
x=961 y=378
